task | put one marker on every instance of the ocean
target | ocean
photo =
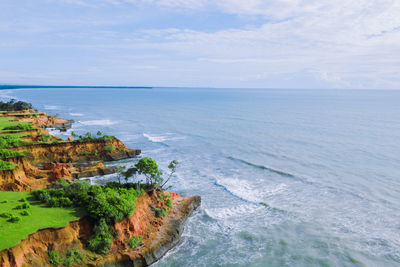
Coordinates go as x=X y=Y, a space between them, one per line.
x=287 y=177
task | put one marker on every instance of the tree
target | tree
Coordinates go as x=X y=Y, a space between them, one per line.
x=149 y=168
x=98 y=133
x=172 y=166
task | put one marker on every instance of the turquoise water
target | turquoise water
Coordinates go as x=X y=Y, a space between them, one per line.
x=325 y=161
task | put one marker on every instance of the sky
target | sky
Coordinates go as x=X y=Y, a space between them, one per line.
x=202 y=43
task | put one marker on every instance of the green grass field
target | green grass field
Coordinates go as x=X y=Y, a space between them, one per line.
x=7 y=122
x=40 y=217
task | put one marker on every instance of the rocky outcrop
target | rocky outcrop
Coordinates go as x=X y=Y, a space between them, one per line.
x=159 y=236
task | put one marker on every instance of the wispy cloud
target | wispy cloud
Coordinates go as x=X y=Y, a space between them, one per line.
x=283 y=43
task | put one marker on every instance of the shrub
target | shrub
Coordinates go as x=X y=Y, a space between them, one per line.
x=159 y=212
x=65 y=202
x=84 y=153
x=15 y=106
x=96 y=152
x=14 y=219
x=54 y=257
x=45 y=138
x=7 y=166
x=7 y=141
x=168 y=202
x=135 y=241
x=54 y=202
x=25 y=205
x=25 y=213
x=99 y=244
x=23 y=199
x=6 y=215
x=109 y=148
x=4 y=201
x=5 y=153
x=19 y=127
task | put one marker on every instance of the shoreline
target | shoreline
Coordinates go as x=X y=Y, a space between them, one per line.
x=54 y=158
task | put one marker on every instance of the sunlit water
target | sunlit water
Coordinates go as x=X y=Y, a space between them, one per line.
x=326 y=162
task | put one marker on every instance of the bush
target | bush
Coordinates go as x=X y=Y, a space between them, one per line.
x=25 y=205
x=15 y=106
x=135 y=241
x=84 y=153
x=14 y=219
x=7 y=141
x=65 y=202
x=6 y=215
x=159 y=212
x=168 y=202
x=109 y=148
x=25 y=213
x=54 y=257
x=100 y=244
x=19 y=127
x=7 y=166
x=4 y=201
x=54 y=202
x=5 y=153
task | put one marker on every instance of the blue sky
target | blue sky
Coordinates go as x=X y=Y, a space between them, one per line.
x=202 y=43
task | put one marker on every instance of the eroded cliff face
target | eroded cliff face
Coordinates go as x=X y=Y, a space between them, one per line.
x=159 y=236
x=71 y=160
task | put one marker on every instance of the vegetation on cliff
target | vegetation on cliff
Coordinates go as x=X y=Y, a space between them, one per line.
x=14 y=106
x=41 y=216
x=105 y=205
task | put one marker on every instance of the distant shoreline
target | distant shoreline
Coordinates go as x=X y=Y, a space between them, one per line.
x=5 y=87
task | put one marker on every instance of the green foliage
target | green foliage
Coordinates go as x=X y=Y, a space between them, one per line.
x=96 y=152
x=25 y=213
x=6 y=215
x=19 y=127
x=41 y=217
x=54 y=257
x=149 y=168
x=14 y=106
x=25 y=205
x=4 y=201
x=168 y=203
x=105 y=205
x=14 y=219
x=89 y=137
x=72 y=256
x=84 y=153
x=109 y=148
x=6 y=153
x=99 y=133
x=45 y=138
x=7 y=141
x=23 y=199
x=135 y=241
x=159 y=212
x=7 y=166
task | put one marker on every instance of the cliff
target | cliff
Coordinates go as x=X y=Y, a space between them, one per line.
x=159 y=236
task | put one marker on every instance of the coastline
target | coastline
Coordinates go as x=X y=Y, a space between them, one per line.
x=73 y=159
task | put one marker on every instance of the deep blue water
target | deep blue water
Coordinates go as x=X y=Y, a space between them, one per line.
x=326 y=162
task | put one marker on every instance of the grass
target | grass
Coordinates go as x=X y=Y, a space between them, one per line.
x=10 y=122
x=40 y=217
x=7 y=166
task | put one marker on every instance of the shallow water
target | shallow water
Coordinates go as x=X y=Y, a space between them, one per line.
x=326 y=163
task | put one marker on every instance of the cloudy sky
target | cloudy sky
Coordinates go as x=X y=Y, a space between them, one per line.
x=202 y=43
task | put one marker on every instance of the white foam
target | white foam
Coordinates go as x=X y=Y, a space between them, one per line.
x=76 y=114
x=162 y=137
x=98 y=122
x=51 y=107
x=237 y=211
x=155 y=139
x=248 y=191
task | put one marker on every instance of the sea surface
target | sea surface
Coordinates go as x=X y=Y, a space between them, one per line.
x=287 y=177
